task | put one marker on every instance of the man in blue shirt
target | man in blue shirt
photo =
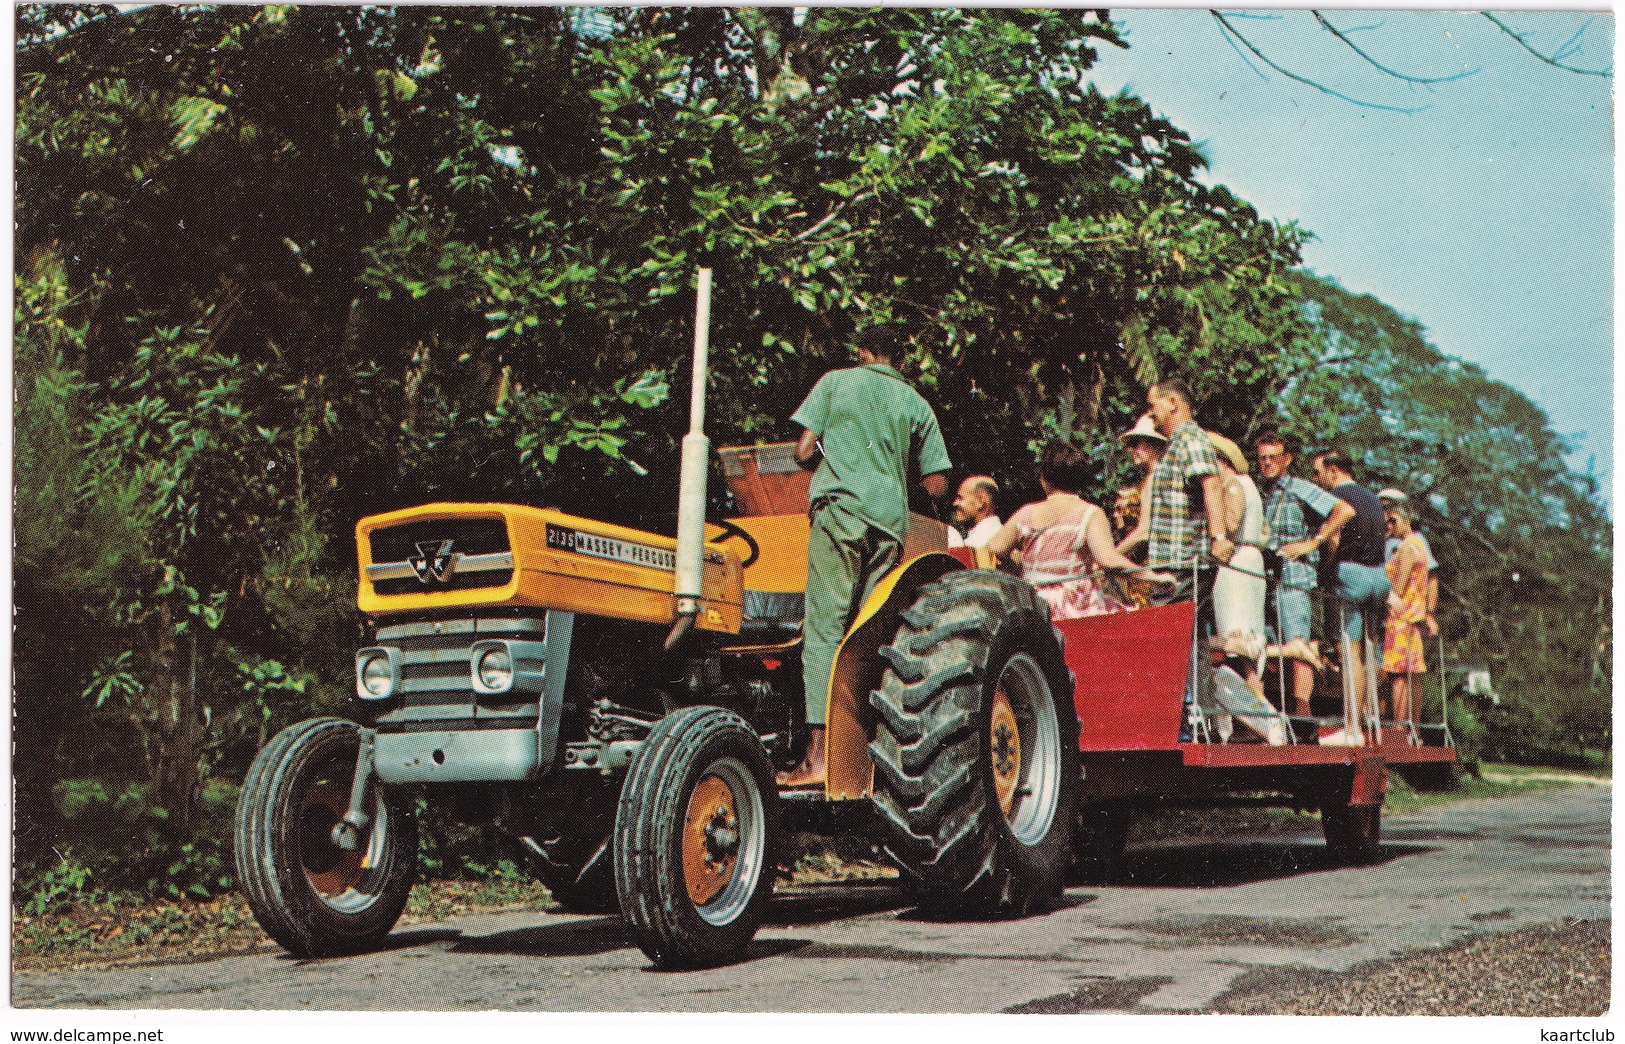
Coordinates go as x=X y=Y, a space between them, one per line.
x=1289 y=505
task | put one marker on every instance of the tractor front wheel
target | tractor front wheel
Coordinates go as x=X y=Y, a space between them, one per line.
x=308 y=893
x=696 y=837
x=976 y=748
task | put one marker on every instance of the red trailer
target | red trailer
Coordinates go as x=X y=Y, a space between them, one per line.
x=1130 y=672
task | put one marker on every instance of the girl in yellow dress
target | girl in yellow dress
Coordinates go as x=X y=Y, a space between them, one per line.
x=1407 y=609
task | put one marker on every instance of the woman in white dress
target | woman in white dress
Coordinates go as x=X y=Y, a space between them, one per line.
x=1238 y=592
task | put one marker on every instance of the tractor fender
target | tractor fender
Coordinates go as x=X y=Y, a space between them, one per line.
x=858 y=669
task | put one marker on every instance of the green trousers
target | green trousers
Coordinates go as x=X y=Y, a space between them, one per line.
x=846 y=557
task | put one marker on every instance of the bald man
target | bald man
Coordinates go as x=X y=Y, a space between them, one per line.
x=975 y=521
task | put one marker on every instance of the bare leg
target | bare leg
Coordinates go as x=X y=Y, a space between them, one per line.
x=812 y=771
x=1303 y=686
x=1402 y=699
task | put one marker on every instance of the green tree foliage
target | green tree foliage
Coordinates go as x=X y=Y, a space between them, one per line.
x=239 y=319
x=1524 y=544
x=281 y=267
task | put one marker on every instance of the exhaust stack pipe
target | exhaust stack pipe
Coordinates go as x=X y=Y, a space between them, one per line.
x=692 y=477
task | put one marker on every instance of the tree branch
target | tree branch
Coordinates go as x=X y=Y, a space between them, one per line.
x=831 y=216
x=1548 y=59
x=1224 y=23
x=1350 y=44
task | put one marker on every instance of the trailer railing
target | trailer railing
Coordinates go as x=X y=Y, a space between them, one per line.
x=1207 y=685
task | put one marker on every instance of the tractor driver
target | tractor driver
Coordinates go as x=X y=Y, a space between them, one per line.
x=866 y=431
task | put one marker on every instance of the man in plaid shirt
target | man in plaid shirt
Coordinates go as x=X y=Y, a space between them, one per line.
x=1286 y=500
x=1186 y=521
x=1186 y=509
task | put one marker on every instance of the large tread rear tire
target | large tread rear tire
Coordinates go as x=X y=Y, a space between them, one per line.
x=696 y=839
x=311 y=896
x=976 y=748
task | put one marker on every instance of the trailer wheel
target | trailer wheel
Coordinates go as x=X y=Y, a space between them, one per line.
x=696 y=838
x=975 y=749
x=1353 y=832
x=309 y=894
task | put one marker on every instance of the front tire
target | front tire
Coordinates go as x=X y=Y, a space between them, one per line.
x=696 y=836
x=975 y=750
x=310 y=895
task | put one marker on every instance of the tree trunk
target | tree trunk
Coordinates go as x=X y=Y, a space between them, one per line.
x=170 y=726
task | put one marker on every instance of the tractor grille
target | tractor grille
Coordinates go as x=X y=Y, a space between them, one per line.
x=454 y=554
x=437 y=690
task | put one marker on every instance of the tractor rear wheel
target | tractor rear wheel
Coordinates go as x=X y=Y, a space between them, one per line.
x=976 y=748
x=310 y=895
x=696 y=838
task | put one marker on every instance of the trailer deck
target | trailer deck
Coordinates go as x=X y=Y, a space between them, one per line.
x=1130 y=670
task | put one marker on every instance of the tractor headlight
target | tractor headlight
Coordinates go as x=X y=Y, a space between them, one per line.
x=377 y=673
x=500 y=666
x=494 y=668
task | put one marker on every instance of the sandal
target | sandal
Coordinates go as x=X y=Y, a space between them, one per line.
x=1298 y=649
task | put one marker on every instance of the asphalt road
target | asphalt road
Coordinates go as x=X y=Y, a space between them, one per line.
x=1179 y=926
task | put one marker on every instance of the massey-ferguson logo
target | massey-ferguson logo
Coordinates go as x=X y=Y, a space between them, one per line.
x=434 y=562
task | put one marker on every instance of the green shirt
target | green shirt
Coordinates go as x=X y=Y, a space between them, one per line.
x=874 y=429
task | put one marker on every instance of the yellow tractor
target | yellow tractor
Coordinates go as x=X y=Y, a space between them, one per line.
x=618 y=701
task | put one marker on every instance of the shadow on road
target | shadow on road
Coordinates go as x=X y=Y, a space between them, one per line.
x=401 y=940
x=584 y=937
x=952 y=916
x=589 y=936
x=759 y=949
x=1203 y=865
x=1222 y=865
x=818 y=904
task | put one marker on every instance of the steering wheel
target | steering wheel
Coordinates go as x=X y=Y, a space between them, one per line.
x=729 y=530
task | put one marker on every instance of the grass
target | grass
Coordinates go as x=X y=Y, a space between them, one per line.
x=122 y=930
x=125 y=929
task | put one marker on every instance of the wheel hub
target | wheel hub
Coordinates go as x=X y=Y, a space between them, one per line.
x=1005 y=748
x=711 y=840
x=331 y=870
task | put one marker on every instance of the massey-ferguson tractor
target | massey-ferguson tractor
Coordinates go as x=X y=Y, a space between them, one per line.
x=618 y=701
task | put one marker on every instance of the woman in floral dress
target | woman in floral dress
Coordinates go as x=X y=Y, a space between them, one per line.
x=1063 y=540
x=1402 y=657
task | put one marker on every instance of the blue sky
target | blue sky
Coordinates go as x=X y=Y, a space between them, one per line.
x=1486 y=215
